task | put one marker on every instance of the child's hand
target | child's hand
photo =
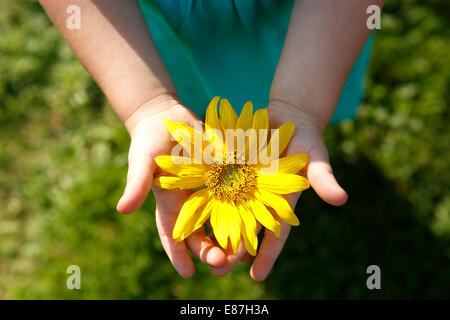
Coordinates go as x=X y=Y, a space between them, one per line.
x=150 y=138
x=307 y=138
x=317 y=57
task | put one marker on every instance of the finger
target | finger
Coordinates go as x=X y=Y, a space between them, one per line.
x=168 y=204
x=204 y=249
x=269 y=251
x=233 y=258
x=141 y=167
x=320 y=175
x=271 y=246
x=247 y=258
x=230 y=260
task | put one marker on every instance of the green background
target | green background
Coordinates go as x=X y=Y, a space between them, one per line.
x=63 y=161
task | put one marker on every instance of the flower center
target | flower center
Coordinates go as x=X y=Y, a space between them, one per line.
x=233 y=181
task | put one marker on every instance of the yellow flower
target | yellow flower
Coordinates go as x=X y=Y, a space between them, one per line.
x=235 y=183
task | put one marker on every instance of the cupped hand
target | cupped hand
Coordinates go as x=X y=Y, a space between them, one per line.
x=150 y=138
x=308 y=137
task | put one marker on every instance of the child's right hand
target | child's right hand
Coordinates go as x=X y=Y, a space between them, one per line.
x=150 y=138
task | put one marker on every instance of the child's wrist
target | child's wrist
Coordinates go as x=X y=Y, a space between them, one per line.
x=296 y=113
x=151 y=107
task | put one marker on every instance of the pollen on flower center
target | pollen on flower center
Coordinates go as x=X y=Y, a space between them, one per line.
x=233 y=181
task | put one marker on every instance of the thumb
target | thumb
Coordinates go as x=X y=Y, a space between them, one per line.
x=141 y=167
x=321 y=177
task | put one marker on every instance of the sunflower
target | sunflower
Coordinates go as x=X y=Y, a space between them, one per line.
x=234 y=187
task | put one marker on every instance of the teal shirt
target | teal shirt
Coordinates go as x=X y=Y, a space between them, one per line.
x=230 y=48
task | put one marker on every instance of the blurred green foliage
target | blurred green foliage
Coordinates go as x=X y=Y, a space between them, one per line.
x=63 y=158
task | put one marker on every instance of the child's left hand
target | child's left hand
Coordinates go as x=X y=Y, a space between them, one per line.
x=307 y=138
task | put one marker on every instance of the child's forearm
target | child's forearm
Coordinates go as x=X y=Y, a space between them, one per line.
x=324 y=40
x=115 y=46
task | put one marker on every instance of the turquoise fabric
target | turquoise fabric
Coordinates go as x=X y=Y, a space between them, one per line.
x=230 y=48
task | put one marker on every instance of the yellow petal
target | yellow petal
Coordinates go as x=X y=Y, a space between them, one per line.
x=246 y=117
x=180 y=166
x=214 y=129
x=289 y=164
x=188 y=228
x=248 y=229
x=226 y=223
x=218 y=225
x=282 y=183
x=233 y=221
x=212 y=118
x=261 y=119
x=187 y=213
x=263 y=215
x=204 y=215
x=171 y=126
x=191 y=140
x=189 y=128
x=279 y=204
x=184 y=182
x=279 y=140
x=261 y=125
x=198 y=141
x=228 y=116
